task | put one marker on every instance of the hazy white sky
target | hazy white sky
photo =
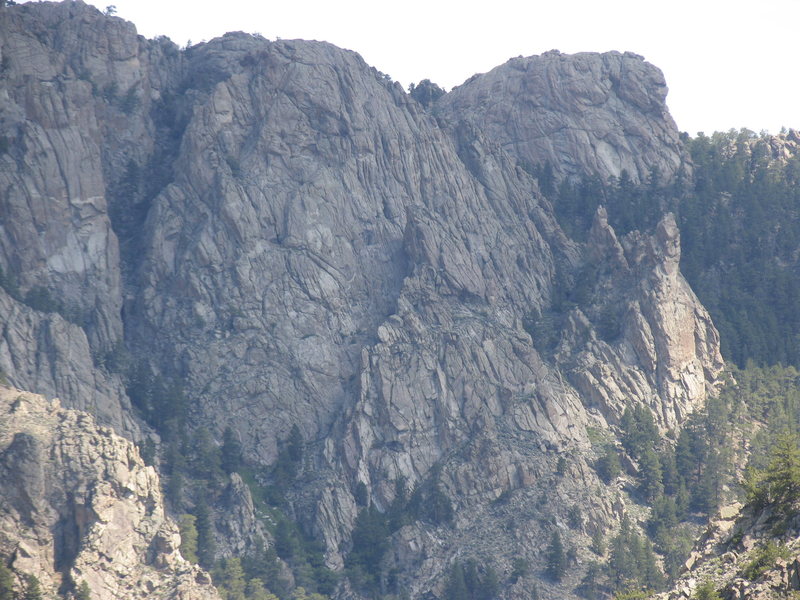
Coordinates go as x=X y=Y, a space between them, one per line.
x=727 y=63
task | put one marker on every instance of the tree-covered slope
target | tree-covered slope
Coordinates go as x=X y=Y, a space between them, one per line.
x=739 y=216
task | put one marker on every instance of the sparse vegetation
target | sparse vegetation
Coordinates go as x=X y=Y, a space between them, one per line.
x=425 y=92
x=556 y=558
x=706 y=591
x=764 y=558
x=471 y=581
x=188 y=537
x=6 y=581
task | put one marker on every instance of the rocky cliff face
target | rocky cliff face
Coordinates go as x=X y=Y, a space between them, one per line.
x=585 y=114
x=77 y=504
x=640 y=331
x=283 y=229
x=75 y=89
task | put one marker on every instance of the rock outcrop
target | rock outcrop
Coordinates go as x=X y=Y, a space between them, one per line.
x=53 y=355
x=75 y=94
x=639 y=331
x=585 y=114
x=730 y=557
x=281 y=228
x=77 y=504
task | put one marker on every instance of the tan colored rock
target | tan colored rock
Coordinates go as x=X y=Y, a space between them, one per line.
x=77 y=501
x=663 y=349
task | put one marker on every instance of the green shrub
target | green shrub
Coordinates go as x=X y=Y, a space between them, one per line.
x=129 y=102
x=9 y=283
x=764 y=559
x=33 y=589
x=6 y=581
x=632 y=595
x=39 y=298
x=706 y=591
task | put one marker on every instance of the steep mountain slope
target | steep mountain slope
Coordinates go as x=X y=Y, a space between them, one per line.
x=77 y=504
x=281 y=229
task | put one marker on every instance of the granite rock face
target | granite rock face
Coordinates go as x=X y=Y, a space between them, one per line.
x=299 y=242
x=75 y=93
x=585 y=114
x=78 y=504
x=45 y=351
x=642 y=333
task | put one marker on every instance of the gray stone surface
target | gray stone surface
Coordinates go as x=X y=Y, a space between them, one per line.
x=585 y=114
x=282 y=228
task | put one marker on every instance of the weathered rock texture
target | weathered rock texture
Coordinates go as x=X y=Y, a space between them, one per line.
x=283 y=229
x=53 y=355
x=730 y=544
x=585 y=114
x=78 y=504
x=656 y=344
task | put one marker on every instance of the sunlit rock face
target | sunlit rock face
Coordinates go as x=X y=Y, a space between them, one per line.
x=77 y=504
x=284 y=230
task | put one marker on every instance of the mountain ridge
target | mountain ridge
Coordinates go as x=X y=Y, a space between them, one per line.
x=265 y=236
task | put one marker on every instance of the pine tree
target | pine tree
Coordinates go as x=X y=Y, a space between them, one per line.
x=471 y=576
x=663 y=520
x=669 y=472
x=682 y=500
x=147 y=451
x=263 y=564
x=639 y=431
x=207 y=461
x=779 y=483
x=556 y=558
x=175 y=488
x=361 y=494
x=652 y=577
x=651 y=486
x=6 y=582
x=519 y=568
x=83 y=593
x=783 y=473
x=294 y=445
x=33 y=589
x=488 y=585
x=590 y=584
x=286 y=544
x=370 y=542
x=229 y=576
x=188 y=537
x=608 y=465
x=598 y=545
x=231 y=451
x=439 y=508
x=257 y=591
x=206 y=543
x=456 y=588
